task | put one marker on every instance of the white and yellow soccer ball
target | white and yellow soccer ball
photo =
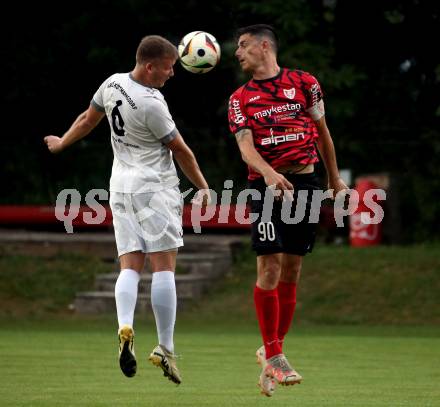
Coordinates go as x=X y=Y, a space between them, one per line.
x=199 y=52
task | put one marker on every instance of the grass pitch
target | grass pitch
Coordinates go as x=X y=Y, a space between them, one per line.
x=51 y=358
x=73 y=362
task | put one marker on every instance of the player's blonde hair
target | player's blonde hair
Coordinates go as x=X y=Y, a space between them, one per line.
x=154 y=47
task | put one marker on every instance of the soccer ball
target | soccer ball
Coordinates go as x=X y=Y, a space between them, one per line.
x=199 y=52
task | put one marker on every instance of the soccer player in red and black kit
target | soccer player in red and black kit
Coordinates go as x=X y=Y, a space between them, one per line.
x=279 y=123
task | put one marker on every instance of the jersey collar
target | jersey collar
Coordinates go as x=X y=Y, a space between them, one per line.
x=269 y=79
x=130 y=75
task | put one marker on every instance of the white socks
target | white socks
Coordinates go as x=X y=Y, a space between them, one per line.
x=164 y=303
x=126 y=290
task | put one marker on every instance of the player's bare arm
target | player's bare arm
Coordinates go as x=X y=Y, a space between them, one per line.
x=82 y=126
x=188 y=164
x=253 y=158
x=327 y=151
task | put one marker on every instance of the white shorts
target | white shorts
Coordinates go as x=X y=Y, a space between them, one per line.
x=147 y=222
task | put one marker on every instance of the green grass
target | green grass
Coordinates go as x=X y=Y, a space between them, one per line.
x=35 y=285
x=342 y=285
x=339 y=285
x=52 y=358
x=375 y=285
x=73 y=362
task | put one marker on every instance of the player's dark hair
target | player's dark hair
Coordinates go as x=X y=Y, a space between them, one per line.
x=260 y=30
x=154 y=47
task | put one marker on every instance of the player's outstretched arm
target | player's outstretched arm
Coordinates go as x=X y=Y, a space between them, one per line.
x=82 y=126
x=188 y=164
x=328 y=154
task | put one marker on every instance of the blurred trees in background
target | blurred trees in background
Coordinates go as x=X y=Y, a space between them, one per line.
x=377 y=64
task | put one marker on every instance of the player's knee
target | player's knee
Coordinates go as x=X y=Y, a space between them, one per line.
x=270 y=280
x=291 y=271
x=270 y=275
x=291 y=275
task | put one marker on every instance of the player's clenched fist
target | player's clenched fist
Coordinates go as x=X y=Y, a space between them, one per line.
x=202 y=197
x=53 y=144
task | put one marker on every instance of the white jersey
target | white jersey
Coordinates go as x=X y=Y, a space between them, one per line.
x=140 y=124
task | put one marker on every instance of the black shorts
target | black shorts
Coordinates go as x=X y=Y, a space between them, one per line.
x=270 y=231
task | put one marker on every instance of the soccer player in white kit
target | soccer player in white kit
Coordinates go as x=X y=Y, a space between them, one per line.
x=144 y=196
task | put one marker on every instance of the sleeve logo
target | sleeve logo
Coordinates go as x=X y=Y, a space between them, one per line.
x=236 y=110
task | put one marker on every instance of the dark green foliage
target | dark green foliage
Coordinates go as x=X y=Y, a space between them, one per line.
x=376 y=63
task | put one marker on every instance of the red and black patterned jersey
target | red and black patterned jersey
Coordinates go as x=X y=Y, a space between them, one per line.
x=277 y=110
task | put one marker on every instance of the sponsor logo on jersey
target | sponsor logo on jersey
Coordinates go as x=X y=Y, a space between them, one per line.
x=289 y=93
x=294 y=129
x=254 y=98
x=123 y=92
x=277 y=109
x=239 y=118
x=283 y=138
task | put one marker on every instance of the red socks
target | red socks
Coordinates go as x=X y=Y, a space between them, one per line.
x=275 y=309
x=267 y=307
x=287 y=302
